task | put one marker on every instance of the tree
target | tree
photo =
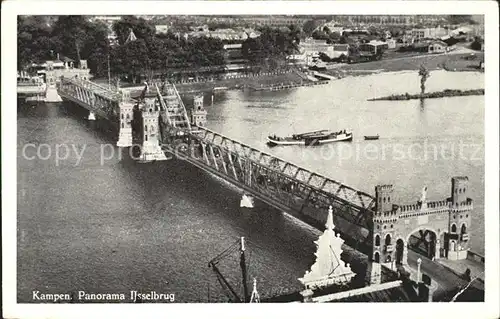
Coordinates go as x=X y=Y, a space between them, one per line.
x=424 y=75
x=142 y=29
x=131 y=59
x=310 y=25
x=476 y=44
x=72 y=32
x=35 y=42
x=319 y=35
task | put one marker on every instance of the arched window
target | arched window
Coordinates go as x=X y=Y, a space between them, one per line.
x=384 y=199
x=388 y=199
x=123 y=125
x=377 y=240
x=463 y=229
x=453 y=228
x=128 y=116
x=376 y=257
x=145 y=128
x=122 y=116
x=387 y=239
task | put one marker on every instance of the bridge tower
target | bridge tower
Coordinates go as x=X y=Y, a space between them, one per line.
x=460 y=216
x=151 y=150
x=198 y=114
x=384 y=231
x=126 y=117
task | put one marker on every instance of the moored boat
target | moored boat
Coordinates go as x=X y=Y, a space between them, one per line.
x=311 y=138
x=371 y=137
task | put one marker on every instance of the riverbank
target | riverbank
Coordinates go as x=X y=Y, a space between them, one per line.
x=271 y=81
x=432 y=95
x=408 y=63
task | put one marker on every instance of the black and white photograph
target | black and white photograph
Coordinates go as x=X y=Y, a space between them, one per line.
x=219 y=152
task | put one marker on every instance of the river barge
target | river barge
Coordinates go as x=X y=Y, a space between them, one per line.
x=311 y=138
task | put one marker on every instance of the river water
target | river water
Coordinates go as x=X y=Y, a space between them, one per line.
x=114 y=225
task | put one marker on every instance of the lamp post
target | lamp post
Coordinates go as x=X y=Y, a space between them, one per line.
x=419 y=262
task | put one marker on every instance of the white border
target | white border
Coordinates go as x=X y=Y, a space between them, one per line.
x=10 y=9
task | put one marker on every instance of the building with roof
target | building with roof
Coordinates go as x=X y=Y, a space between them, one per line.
x=312 y=46
x=162 y=29
x=373 y=47
x=339 y=50
x=227 y=34
x=437 y=47
x=429 y=33
x=233 y=54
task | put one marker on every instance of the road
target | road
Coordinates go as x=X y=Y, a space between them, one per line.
x=446 y=279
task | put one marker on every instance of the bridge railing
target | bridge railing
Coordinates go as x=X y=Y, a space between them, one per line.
x=94 y=87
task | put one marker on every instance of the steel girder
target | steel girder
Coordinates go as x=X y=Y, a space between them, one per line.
x=290 y=185
x=93 y=97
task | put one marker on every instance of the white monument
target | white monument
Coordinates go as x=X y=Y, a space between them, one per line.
x=328 y=269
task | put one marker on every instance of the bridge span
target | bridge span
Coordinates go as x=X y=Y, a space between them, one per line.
x=371 y=224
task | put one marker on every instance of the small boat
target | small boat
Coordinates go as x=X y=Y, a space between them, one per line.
x=371 y=137
x=311 y=138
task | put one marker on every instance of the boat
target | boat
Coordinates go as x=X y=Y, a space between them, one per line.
x=371 y=137
x=311 y=138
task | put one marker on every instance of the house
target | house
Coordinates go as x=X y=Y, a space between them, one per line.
x=339 y=50
x=437 y=47
x=311 y=46
x=161 y=29
x=233 y=54
x=391 y=44
x=227 y=34
x=429 y=33
x=373 y=47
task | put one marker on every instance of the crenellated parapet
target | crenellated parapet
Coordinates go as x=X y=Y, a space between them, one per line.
x=448 y=221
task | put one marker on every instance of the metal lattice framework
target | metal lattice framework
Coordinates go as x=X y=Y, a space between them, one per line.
x=91 y=96
x=173 y=111
x=280 y=183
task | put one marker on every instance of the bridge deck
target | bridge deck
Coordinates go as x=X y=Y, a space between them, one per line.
x=96 y=88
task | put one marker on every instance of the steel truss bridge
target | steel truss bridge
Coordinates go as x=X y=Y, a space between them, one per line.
x=277 y=182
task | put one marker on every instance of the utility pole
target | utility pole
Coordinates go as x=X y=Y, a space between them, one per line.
x=109 y=71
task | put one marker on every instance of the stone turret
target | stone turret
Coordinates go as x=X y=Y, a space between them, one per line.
x=460 y=218
x=151 y=150
x=126 y=117
x=199 y=114
x=383 y=222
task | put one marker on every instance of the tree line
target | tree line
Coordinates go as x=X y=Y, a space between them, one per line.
x=41 y=38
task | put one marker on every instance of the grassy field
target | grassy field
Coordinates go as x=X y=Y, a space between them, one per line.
x=432 y=62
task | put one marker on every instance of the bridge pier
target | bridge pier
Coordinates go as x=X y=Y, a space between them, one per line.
x=91 y=116
x=246 y=201
x=151 y=149
x=126 y=117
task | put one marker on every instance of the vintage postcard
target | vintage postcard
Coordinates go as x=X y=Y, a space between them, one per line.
x=182 y=154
